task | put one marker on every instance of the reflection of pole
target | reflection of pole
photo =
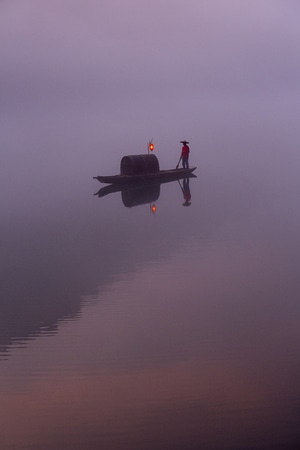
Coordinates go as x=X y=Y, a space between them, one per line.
x=181 y=187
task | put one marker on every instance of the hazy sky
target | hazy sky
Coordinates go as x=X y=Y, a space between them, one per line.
x=132 y=70
x=124 y=52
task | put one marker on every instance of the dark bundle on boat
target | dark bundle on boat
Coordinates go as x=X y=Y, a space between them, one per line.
x=139 y=164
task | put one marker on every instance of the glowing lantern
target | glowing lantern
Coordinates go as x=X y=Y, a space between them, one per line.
x=153 y=208
x=151 y=147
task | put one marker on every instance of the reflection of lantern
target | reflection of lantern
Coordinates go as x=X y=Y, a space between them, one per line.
x=151 y=147
x=153 y=208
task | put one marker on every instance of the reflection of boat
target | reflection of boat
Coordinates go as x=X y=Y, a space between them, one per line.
x=140 y=195
x=133 y=194
x=144 y=168
x=137 y=193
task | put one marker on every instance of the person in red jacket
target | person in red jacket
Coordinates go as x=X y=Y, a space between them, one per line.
x=185 y=154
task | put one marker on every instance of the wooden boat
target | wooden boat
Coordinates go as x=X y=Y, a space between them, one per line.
x=160 y=176
x=146 y=183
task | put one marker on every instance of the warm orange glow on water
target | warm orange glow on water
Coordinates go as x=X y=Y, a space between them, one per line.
x=196 y=357
x=145 y=394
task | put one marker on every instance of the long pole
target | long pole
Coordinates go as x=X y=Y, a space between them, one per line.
x=179 y=162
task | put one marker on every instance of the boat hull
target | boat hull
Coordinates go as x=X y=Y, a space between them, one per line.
x=162 y=175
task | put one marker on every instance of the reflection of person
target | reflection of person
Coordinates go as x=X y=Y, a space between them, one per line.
x=185 y=154
x=186 y=192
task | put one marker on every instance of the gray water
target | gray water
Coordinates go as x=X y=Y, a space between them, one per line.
x=127 y=329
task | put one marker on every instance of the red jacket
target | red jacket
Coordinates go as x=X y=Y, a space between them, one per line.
x=185 y=150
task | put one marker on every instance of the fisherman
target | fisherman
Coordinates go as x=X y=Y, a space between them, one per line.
x=185 y=154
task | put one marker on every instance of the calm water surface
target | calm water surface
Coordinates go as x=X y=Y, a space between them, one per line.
x=127 y=329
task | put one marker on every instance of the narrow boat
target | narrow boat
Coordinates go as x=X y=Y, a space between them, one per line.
x=162 y=175
x=144 y=184
x=144 y=168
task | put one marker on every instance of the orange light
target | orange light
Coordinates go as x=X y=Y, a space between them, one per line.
x=153 y=208
x=151 y=147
